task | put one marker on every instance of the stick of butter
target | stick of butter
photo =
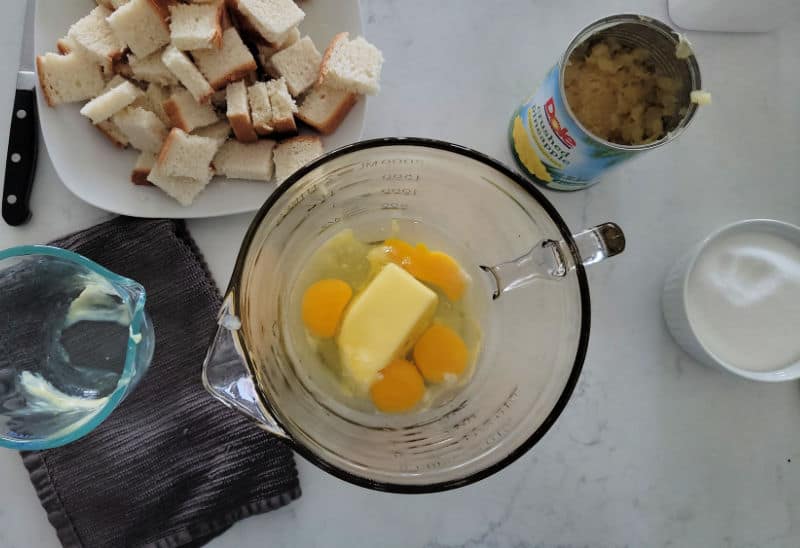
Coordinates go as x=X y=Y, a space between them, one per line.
x=383 y=322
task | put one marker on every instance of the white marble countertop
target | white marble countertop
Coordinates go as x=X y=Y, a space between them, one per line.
x=653 y=449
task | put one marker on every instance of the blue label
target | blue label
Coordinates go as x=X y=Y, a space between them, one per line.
x=550 y=145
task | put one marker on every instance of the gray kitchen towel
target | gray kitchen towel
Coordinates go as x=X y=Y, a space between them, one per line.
x=170 y=467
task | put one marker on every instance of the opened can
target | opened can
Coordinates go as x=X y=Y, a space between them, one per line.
x=555 y=149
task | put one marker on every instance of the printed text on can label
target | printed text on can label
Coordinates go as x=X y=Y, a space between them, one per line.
x=552 y=147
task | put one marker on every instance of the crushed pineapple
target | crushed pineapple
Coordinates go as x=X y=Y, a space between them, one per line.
x=618 y=94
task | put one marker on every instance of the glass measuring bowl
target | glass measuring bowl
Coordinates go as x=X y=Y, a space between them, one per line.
x=74 y=341
x=534 y=342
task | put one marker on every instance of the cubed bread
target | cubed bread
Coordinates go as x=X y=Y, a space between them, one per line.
x=111 y=132
x=220 y=131
x=272 y=18
x=187 y=73
x=141 y=25
x=283 y=107
x=108 y=103
x=230 y=63
x=260 y=109
x=67 y=45
x=351 y=65
x=292 y=154
x=184 y=189
x=68 y=78
x=239 y=113
x=115 y=81
x=94 y=36
x=157 y=95
x=251 y=161
x=196 y=26
x=324 y=108
x=265 y=51
x=188 y=53
x=152 y=69
x=185 y=155
x=142 y=128
x=299 y=65
x=187 y=114
x=247 y=30
x=144 y=164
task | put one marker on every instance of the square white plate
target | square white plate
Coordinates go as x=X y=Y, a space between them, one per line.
x=99 y=173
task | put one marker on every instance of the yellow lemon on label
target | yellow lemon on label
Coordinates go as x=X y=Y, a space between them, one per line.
x=527 y=154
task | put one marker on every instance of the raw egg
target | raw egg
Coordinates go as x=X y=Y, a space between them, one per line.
x=323 y=305
x=399 y=388
x=433 y=267
x=439 y=352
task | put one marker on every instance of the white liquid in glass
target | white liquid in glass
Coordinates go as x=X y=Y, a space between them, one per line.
x=743 y=300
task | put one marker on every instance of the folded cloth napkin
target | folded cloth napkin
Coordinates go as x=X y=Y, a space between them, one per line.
x=170 y=467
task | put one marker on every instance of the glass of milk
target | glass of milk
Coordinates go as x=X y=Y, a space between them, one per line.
x=733 y=301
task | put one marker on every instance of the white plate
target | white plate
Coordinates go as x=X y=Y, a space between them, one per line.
x=98 y=173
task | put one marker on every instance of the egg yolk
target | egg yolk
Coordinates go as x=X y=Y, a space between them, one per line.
x=323 y=305
x=440 y=351
x=399 y=389
x=433 y=267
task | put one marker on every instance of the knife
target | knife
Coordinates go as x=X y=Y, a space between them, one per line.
x=23 y=140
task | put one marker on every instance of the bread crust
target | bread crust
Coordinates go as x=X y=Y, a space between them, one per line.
x=63 y=47
x=43 y=85
x=162 y=155
x=326 y=57
x=263 y=129
x=243 y=128
x=216 y=39
x=234 y=75
x=162 y=9
x=334 y=120
x=110 y=136
x=139 y=177
x=173 y=112
x=284 y=125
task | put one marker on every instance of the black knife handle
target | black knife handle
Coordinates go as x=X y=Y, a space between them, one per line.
x=23 y=150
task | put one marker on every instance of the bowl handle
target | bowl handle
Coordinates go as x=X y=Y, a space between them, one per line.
x=600 y=243
x=227 y=378
x=547 y=259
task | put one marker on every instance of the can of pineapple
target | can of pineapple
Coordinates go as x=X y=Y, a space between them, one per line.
x=561 y=151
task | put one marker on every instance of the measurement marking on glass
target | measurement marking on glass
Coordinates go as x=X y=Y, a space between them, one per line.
x=400 y=191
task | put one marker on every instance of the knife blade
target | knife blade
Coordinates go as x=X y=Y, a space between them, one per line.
x=23 y=141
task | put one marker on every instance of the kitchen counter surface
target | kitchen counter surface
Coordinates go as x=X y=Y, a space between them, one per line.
x=653 y=449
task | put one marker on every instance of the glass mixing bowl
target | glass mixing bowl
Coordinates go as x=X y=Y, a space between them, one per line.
x=535 y=314
x=75 y=340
